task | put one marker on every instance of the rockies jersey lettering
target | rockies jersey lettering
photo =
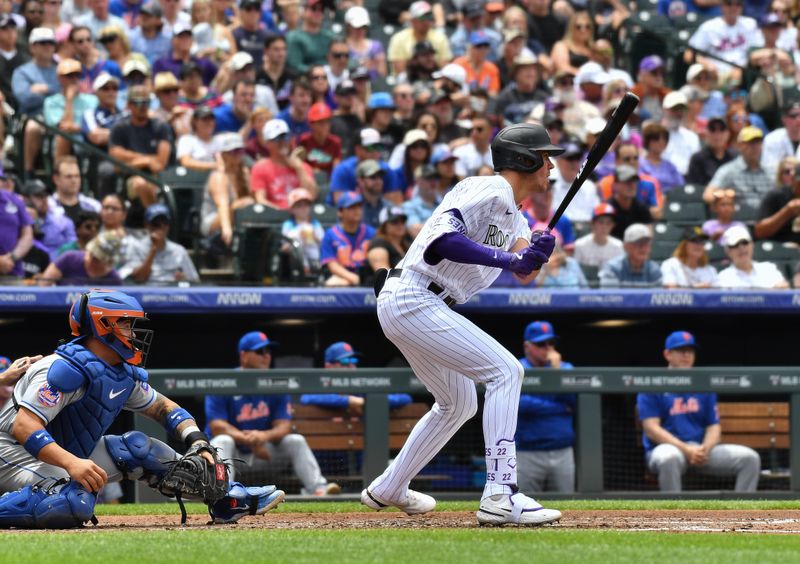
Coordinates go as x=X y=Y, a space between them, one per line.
x=481 y=208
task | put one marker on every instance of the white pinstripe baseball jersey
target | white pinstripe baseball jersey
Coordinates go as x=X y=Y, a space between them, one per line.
x=485 y=211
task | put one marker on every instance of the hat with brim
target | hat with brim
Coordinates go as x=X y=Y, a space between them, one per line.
x=68 y=66
x=299 y=195
x=625 y=173
x=135 y=65
x=105 y=247
x=42 y=35
x=348 y=200
x=390 y=213
x=255 y=340
x=104 y=79
x=369 y=167
x=539 y=332
x=694 y=235
x=679 y=340
x=275 y=129
x=735 y=235
x=228 y=142
x=637 y=232
x=749 y=134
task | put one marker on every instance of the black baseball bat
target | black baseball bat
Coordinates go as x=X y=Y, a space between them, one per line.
x=598 y=150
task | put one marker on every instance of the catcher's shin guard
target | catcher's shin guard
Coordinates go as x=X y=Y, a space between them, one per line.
x=58 y=507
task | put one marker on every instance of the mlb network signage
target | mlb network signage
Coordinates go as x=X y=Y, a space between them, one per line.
x=321 y=300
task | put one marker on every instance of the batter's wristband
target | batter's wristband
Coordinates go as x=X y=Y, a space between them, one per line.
x=175 y=418
x=37 y=441
x=195 y=436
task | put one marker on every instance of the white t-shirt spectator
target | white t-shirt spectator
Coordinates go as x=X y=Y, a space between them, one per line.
x=682 y=145
x=729 y=42
x=470 y=160
x=588 y=252
x=675 y=273
x=581 y=207
x=196 y=148
x=777 y=146
x=763 y=275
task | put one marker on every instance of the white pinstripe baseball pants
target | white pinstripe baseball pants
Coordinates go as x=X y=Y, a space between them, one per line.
x=449 y=354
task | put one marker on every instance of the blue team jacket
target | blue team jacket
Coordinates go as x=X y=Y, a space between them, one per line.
x=545 y=420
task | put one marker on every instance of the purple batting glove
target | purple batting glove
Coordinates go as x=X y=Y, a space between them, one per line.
x=526 y=261
x=544 y=242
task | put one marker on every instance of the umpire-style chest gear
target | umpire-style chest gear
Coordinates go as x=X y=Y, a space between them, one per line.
x=79 y=426
x=519 y=147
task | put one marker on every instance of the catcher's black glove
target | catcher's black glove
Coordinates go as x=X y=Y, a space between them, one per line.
x=193 y=476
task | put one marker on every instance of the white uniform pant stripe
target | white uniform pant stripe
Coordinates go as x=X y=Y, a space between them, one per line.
x=448 y=353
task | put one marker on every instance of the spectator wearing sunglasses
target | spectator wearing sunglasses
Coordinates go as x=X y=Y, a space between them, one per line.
x=309 y=45
x=728 y=36
x=744 y=272
x=341 y=356
x=648 y=191
x=477 y=152
x=704 y=163
x=650 y=87
x=744 y=173
x=151 y=37
x=361 y=49
x=784 y=141
x=779 y=213
x=65 y=109
x=250 y=34
x=403 y=43
x=92 y=64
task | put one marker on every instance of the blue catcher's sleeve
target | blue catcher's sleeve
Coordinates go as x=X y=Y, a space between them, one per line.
x=399 y=400
x=335 y=401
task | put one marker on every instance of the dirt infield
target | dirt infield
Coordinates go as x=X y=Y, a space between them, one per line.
x=767 y=521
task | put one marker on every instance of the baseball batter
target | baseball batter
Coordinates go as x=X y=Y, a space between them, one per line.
x=54 y=453
x=475 y=233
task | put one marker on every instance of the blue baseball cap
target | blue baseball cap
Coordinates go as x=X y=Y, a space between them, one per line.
x=679 y=340
x=380 y=101
x=255 y=340
x=156 y=210
x=540 y=331
x=442 y=154
x=479 y=37
x=341 y=351
x=5 y=362
x=349 y=199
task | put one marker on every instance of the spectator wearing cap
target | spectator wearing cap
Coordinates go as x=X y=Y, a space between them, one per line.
x=574 y=112
x=682 y=430
x=650 y=87
x=688 y=266
x=634 y=269
x=477 y=152
x=704 y=78
x=255 y=431
x=481 y=73
x=474 y=19
x=422 y=65
x=445 y=162
x=744 y=173
x=392 y=240
x=151 y=37
x=240 y=68
x=380 y=111
x=369 y=183
x=347 y=117
x=575 y=48
x=308 y=45
x=250 y=34
x=361 y=49
x=779 y=210
x=232 y=116
x=342 y=356
x=67 y=198
x=96 y=123
x=182 y=53
x=683 y=142
x=425 y=199
x=156 y=259
x=628 y=209
x=337 y=68
x=49 y=228
x=193 y=93
x=344 y=248
x=598 y=247
x=16 y=233
x=93 y=267
x=591 y=79
x=522 y=94
x=196 y=149
x=538 y=210
x=653 y=163
x=135 y=72
x=323 y=150
x=568 y=164
x=100 y=17
x=87 y=226
x=274 y=72
x=367 y=147
x=304 y=230
x=603 y=54
x=296 y=113
x=728 y=37
x=715 y=153
x=274 y=177
x=166 y=88
x=648 y=190
x=10 y=57
x=776 y=32
x=65 y=109
x=744 y=272
x=545 y=430
x=92 y=64
x=128 y=10
x=421 y=28
x=416 y=151
x=782 y=142
x=141 y=142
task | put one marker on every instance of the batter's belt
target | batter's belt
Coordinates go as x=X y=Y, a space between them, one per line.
x=381 y=275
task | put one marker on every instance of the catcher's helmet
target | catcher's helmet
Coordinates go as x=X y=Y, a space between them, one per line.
x=519 y=147
x=96 y=314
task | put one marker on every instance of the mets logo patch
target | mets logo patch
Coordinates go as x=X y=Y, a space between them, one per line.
x=48 y=397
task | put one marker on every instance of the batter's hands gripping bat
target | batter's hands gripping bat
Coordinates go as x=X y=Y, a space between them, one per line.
x=601 y=146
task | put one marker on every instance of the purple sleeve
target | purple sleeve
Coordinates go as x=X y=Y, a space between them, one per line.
x=25 y=218
x=71 y=263
x=459 y=248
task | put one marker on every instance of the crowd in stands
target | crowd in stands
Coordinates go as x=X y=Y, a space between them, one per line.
x=371 y=111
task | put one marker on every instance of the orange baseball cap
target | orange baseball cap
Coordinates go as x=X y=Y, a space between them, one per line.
x=318 y=112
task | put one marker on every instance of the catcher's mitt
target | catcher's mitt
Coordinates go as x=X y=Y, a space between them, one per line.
x=193 y=476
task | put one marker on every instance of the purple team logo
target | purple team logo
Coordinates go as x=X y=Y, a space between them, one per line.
x=48 y=397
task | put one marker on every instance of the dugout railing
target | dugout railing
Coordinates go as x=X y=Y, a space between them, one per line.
x=590 y=384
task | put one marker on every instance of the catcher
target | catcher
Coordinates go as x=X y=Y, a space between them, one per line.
x=54 y=453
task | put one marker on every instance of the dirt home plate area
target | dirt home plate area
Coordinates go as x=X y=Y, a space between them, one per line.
x=673 y=521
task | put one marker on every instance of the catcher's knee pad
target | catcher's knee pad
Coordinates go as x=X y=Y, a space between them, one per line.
x=135 y=451
x=36 y=508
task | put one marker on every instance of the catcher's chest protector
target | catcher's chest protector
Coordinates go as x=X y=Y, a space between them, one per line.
x=79 y=427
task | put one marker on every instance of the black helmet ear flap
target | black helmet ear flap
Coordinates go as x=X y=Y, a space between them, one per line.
x=82 y=313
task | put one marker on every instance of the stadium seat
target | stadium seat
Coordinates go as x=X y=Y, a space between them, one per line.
x=258 y=245
x=668 y=232
x=188 y=188
x=746 y=213
x=685 y=213
x=775 y=251
x=325 y=214
x=716 y=254
x=260 y=215
x=662 y=250
x=687 y=193
x=592 y=275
